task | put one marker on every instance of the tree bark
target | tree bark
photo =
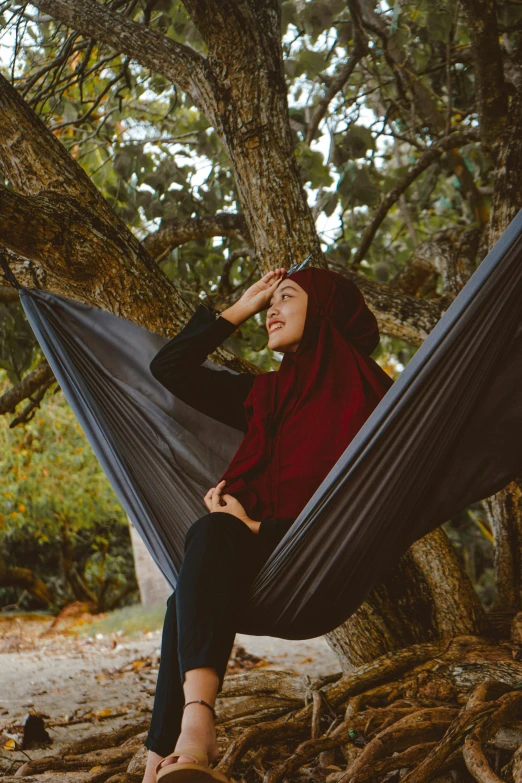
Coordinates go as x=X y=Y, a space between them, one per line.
x=173 y=233
x=488 y=68
x=504 y=511
x=97 y=259
x=427 y=597
x=242 y=92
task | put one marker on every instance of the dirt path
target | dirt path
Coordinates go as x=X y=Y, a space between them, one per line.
x=81 y=686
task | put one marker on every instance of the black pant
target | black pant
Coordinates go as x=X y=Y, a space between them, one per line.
x=222 y=557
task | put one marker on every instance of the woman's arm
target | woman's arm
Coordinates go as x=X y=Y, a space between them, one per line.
x=217 y=393
x=272 y=530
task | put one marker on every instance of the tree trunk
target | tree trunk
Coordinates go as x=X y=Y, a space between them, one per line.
x=504 y=511
x=428 y=596
x=25 y=579
x=154 y=588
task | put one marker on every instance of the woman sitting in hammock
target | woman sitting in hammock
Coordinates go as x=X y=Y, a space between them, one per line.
x=297 y=422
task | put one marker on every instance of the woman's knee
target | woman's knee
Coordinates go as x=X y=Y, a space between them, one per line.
x=215 y=523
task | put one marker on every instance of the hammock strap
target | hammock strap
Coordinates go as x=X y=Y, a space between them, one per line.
x=8 y=273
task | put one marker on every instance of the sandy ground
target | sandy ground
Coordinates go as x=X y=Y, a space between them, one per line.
x=81 y=686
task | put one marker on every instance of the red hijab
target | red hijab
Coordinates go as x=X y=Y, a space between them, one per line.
x=302 y=417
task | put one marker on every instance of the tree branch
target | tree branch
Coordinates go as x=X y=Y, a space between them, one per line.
x=174 y=233
x=56 y=230
x=177 y=62
x=450 y=253
x=27 y=413
x=360 y=48
x=237 y=27
x=398 y=314
x=33 y=159
x=425 y=160
x=54 y=189
x=242 y=91
x=30 y=384
x=508 y=173
x=25 y=578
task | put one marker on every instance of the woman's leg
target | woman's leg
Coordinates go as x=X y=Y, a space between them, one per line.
x=222 y=556
x=165 y=721
x=170 y=697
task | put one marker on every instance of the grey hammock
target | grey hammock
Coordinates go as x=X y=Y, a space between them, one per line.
x=446 y=434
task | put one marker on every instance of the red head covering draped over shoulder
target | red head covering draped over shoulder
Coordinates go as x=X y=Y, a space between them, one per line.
x=303 y=416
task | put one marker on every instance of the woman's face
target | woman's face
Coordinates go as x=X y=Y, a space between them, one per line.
x=285 y=317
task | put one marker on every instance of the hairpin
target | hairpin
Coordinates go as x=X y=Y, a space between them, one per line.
x=297 y=267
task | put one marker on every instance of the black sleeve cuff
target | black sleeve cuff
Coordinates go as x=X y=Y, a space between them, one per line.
x=272 y=530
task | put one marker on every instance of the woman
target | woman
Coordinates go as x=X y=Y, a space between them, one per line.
x=297 y=421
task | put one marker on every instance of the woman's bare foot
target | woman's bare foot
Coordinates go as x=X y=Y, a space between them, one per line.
x=197 y=727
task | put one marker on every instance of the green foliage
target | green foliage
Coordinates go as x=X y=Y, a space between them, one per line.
x=357 y=184
x=355 y=143
x=58 y=513
x=311 y=164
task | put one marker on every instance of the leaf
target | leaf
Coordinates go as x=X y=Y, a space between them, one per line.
x=163 y=5
x=439 y=23
x=312 y=62
x=357 y=183
x=123 y=164
x=289 y=14
x=364 y=188
x=330 y=202
x=318 y=16
x=107 y=712
x=509 y=14
x=355 y=143
x=312 y=167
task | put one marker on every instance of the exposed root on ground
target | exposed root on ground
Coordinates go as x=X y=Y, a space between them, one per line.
x=447 y=711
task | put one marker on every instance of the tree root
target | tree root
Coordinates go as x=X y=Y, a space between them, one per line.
x=439 y=712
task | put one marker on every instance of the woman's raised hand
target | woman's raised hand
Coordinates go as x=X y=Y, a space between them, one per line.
x=258 y=296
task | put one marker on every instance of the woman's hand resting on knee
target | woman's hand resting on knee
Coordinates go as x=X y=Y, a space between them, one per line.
x=215 y=501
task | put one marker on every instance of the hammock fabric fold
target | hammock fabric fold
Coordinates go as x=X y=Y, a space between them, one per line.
x=447 y=433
